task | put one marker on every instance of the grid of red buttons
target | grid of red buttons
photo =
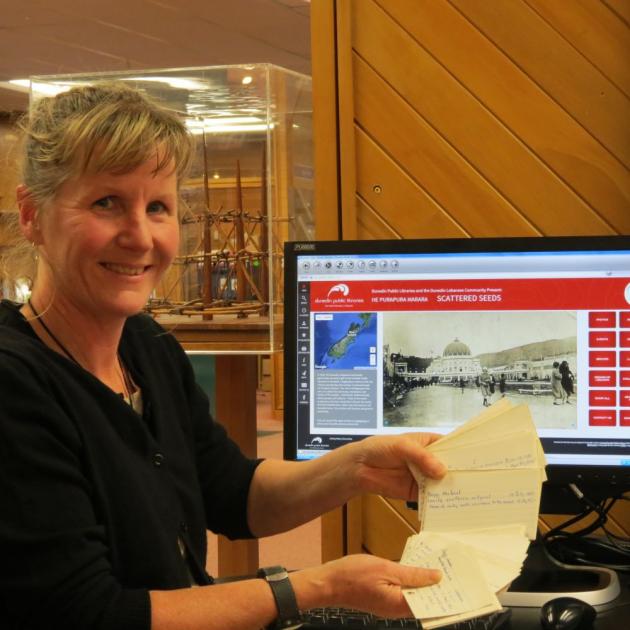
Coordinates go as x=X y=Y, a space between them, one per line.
x=609 y=382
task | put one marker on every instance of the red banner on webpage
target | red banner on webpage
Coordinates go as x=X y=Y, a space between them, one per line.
x=471 y=295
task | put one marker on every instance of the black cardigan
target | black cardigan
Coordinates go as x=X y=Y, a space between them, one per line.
x=93 y=497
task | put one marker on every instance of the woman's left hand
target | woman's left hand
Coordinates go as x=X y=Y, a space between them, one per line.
x=383 y=464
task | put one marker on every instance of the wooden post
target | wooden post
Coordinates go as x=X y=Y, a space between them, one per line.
x=236 y=381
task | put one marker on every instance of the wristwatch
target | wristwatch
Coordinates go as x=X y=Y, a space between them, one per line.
x=288 y=612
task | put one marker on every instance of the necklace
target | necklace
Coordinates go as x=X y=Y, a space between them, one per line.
x=125 y=378
x=63 y=348
x=127 y=382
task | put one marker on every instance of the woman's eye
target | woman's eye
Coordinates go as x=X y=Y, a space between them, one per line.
x=155 y=207
x=106 y=203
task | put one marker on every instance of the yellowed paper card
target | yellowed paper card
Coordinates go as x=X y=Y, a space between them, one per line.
x=482 y=499
x=462 y=587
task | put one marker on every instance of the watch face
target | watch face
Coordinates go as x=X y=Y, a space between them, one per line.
x=275 y=577
x=268 y=572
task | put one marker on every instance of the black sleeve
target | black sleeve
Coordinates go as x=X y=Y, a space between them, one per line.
x=54 y=567
x=225 y=474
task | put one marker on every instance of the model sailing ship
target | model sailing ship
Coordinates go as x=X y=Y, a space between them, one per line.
x=230 y=263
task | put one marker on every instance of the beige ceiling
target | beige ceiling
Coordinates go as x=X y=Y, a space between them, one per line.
x=42 y=37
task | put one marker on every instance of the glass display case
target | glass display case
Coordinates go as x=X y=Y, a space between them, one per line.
x=250 y=190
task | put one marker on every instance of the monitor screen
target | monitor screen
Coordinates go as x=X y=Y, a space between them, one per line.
x=384 y=337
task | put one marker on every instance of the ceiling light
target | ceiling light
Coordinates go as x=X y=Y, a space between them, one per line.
x=246 y=80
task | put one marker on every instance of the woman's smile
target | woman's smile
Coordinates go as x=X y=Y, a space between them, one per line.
x=126 y=270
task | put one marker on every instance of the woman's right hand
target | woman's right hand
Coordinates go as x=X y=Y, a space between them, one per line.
x=362 y=582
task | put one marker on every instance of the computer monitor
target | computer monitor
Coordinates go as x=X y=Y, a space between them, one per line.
x=383 y=337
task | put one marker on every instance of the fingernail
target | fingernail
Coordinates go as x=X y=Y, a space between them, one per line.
x=436 y=575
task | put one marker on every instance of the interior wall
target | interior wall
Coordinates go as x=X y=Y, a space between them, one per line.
x=450 y=118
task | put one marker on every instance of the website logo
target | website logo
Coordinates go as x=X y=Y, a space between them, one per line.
x=343 y=289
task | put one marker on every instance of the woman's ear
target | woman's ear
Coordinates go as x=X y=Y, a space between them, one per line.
x=29 y=223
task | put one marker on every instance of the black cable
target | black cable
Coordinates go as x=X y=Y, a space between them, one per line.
x=575 y=547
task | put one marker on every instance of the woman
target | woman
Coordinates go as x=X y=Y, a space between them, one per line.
x=556 y=384
x=566 y=379
x=110 y=466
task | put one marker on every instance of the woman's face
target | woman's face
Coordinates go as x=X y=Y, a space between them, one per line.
x=106 y=239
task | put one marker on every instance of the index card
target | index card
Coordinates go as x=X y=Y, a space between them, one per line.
x=496 y=409
x=462 y=586
x=495 y=468
x=437 y=622
x=482 y=499
x=499 y=564
x=512 y=420
x=518 y=450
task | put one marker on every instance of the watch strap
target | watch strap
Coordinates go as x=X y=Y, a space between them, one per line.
x=284 y=596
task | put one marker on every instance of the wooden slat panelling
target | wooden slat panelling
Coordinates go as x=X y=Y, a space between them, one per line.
x=549 y=132
x=561 y=70
x=384 y=530
x=467 y=125
x=371 y=225
x=593 y=29
x=621 y=8
x=433 y=163
x=397 y=198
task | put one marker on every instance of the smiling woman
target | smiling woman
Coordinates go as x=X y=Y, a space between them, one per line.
x=111 y=468
x=98 y=203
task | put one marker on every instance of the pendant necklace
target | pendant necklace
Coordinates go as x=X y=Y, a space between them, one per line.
x=63 y=348
x=126 y=394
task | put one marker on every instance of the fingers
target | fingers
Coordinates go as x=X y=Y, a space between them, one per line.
x=432 y=466
x=417 y=577
x=424 y=461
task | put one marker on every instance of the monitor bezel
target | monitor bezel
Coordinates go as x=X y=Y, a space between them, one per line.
x=612 y=478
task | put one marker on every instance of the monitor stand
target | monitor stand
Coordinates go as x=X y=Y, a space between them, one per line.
x=544 y=578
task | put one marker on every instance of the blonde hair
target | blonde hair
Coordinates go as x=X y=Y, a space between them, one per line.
x=102 y=127
x=62 y=135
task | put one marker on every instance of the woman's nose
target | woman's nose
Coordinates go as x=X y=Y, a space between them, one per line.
x=135 y=232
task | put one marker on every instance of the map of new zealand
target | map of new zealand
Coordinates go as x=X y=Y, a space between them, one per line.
x=343 y=340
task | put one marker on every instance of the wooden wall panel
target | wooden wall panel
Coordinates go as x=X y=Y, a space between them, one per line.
x=384 y=529
x=593 y=29
x=404 y=205
x=621 y=8
x=371 y=225
x=465 y=124
x=557 y=140
x=431 y=160
x=561 y=70
x=472 y=118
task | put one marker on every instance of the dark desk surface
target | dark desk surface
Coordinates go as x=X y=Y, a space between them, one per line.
x=613 y=616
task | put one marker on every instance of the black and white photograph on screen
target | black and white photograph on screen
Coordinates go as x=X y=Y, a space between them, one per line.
x=440 y=369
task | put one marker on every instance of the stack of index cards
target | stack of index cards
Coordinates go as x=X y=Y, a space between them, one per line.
x=477 y=521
